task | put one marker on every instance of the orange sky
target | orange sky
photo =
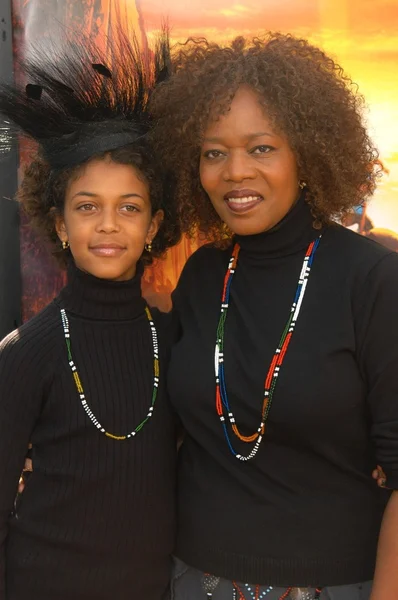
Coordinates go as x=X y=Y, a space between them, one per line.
x=361 y=34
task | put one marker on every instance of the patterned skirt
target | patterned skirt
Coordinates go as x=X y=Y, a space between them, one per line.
x=188 y=583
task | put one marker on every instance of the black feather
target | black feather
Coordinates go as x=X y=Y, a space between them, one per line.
x=66 y=103
x=33 y=91
x=102 y=70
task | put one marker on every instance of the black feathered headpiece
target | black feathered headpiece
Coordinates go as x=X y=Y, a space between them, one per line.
x=80 y=101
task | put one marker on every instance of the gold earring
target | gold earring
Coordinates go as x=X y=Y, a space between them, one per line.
x=148 y=247
x=65 y=245
x=302 y=185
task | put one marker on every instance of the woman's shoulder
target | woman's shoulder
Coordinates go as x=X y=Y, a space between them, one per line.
x=358 y=251
x=198 y=264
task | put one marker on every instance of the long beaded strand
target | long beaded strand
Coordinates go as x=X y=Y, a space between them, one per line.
x=79 y=386
x=277 y=360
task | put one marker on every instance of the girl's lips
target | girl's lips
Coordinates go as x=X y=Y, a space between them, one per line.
x=107 y=250
x=244 y=204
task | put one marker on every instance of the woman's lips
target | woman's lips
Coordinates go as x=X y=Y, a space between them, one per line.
x=242 y=201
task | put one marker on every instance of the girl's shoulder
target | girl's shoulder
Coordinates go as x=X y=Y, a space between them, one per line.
x=35 y=339
x=164 y=326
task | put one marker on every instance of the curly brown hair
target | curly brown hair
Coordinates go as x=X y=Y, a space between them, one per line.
x=308 y=98
x=42 y=195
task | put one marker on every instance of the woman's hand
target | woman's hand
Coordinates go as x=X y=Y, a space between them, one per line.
x=379 y=475
x=28 y=468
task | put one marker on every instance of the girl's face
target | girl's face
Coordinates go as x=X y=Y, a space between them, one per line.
x=247 y=168
x=108 y=219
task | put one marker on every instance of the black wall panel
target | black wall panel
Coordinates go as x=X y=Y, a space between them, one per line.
x=10 y=272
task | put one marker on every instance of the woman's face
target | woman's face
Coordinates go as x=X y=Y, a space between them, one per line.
x=247 y=168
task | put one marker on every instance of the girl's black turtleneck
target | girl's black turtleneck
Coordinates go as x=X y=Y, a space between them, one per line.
x=96 y=519
x=305 y=511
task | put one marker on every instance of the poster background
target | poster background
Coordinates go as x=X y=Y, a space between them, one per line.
x=361 y=34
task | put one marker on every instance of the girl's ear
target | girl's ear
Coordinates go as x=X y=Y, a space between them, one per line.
x=60 y=225
x=156 y=222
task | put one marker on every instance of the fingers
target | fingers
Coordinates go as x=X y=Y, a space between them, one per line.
x=380 y=477
x=21 y=485
x=28 y=468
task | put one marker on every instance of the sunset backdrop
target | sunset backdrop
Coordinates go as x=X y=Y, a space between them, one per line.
x=361 y=34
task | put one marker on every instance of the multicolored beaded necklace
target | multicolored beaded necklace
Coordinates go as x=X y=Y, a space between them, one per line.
x=79 y=387
x=277 y=360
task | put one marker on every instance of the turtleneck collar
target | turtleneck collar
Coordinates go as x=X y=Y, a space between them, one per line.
x=94 y=298
x=293 y=233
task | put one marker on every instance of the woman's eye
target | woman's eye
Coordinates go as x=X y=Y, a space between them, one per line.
x=261 y=149
x=212 y=154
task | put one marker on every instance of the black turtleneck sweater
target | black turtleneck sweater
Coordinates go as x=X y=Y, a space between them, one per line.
x=96 y=520
x=305 y=511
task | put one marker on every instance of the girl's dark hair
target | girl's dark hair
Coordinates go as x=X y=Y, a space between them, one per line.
x=82 y=102
x=42 y=195
x=306 y=94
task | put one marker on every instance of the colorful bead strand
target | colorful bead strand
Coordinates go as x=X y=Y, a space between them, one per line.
x=277 y=360
x=79 y=386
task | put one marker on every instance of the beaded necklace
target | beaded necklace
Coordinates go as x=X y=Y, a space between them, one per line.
x=79 y=387
x=277 y=360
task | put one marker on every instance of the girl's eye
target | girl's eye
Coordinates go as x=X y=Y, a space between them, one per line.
x=211 y=154
x=130 y=208
x=262 y=149
x=86 y=207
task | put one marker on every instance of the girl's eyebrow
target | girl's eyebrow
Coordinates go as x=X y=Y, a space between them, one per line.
x=87 y=194
x=92 y=195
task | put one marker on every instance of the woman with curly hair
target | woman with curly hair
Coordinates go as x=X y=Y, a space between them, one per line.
x=285 y=368
x=84 y=380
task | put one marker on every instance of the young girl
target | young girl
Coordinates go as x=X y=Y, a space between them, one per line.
x=83 y=381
